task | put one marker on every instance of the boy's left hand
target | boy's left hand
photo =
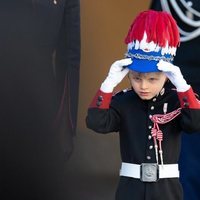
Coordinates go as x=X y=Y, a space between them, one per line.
x=174 y=74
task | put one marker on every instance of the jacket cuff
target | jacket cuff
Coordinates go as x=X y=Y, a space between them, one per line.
x=188 y=100
x=101 y=100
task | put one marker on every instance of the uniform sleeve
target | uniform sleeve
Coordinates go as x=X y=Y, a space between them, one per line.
x=103 y=113
x=190 y=105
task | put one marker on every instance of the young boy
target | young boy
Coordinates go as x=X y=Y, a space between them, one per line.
x=150 y=116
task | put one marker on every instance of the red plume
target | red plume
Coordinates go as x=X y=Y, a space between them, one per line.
x=159 y=26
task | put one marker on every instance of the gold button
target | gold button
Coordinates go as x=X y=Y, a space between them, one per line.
x=150 y=127
x=100 y=98
x=149 y=137
x=148 y=157
x=152 y=107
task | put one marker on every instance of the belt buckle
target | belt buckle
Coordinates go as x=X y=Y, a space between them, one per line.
x=149 y=172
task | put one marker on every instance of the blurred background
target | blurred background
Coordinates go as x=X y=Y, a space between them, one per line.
x=93 y=168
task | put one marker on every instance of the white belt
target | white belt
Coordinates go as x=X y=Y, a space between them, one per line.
x=149 y=172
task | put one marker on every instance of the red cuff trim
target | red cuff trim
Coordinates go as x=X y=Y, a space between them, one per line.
x=101 y=100
x=188 y=100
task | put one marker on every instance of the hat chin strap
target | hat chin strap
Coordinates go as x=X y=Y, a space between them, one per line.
x=150 y=56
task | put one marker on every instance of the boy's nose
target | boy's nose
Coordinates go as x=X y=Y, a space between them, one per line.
x=144 y=85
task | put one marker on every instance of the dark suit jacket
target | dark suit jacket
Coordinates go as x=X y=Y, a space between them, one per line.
x=39 y=79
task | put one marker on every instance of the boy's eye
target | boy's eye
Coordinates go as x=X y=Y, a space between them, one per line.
x=152 y=79
x=137 y=78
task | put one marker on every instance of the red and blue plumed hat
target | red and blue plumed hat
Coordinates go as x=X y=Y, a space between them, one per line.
x=152 y=36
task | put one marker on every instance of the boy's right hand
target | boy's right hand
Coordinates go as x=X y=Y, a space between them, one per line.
x=117 y=72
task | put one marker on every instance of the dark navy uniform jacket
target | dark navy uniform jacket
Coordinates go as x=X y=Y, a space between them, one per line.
x=127 y=114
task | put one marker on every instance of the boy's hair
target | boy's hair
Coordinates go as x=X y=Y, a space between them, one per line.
x=160 y=27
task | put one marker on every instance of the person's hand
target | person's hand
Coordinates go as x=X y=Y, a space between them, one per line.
x=117 y=72
x=174 y=74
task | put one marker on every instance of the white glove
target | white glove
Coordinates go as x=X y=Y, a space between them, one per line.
x=174 y=74
x=116 y=74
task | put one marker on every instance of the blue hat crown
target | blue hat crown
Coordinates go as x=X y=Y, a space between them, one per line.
x=146 y=61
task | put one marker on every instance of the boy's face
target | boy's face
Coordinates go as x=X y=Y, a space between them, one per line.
x=147 y=85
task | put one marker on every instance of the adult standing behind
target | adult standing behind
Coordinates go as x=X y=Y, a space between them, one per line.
x=187 y=15
x=39 y=78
